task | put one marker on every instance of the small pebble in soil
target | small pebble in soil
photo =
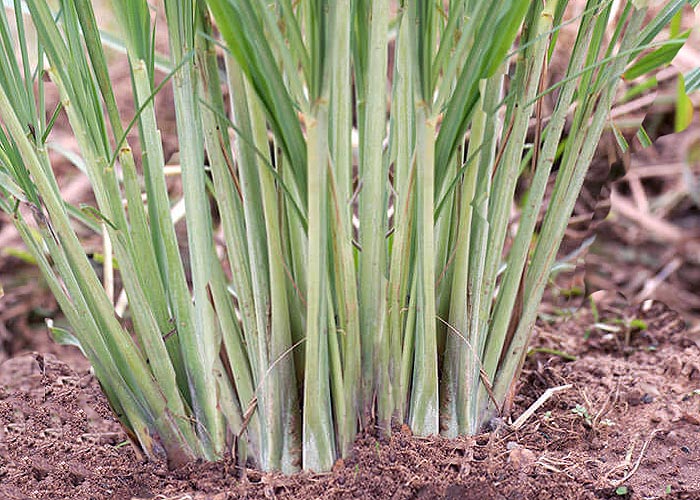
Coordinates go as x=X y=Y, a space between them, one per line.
x=646 y=399
x=685 y=449
x=634 y=397
x=521 y=458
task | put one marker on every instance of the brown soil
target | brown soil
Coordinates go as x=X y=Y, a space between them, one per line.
x=629 y=422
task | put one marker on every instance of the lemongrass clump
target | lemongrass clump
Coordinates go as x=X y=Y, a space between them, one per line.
x=369 y=282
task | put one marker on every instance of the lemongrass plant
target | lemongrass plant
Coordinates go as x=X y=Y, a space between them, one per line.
x=343 y=283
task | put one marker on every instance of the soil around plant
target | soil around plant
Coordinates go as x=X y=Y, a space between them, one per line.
x=626 y=428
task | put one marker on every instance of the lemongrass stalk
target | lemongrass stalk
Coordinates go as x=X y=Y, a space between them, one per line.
x=459 y=353
x=445 y=223
x=318 y=431
x=279 y=334
x=272 y=440
x=230 y=203
x=318 y=447
x=425 y=408
x=219 y=152
x=400 y=265
x=346 y=369
x=519 y=250
x=68 y=295
x=131 y=364
x=340 y=186
x=296 y=247
x=136 y=419
x=165 y=244
x=372 y=210
x=569 y=183
x=200 y=349
x=479 y=304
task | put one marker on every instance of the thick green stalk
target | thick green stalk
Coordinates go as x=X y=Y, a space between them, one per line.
x=372 y=211
x=282 y=382
x=268 y=379
x=219 y=153
x=201 y=349
x=231 y=207
x=400 y=264
x=318 y=439
x=318 y=430
x=424 y=399
x=459 y=353
x=168 y=258
x=340 y=185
